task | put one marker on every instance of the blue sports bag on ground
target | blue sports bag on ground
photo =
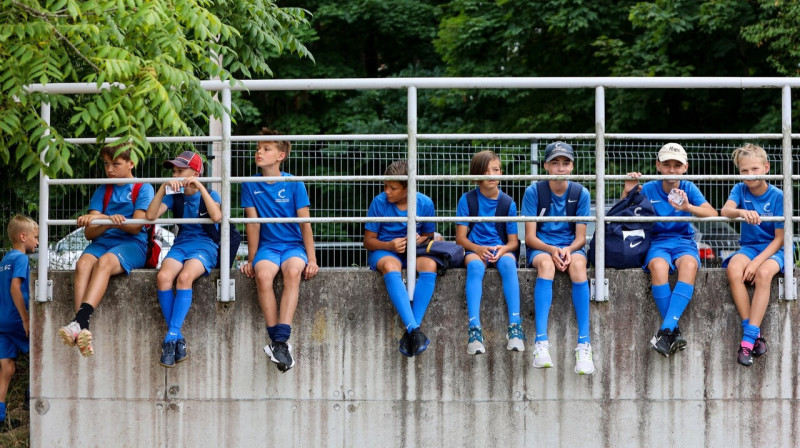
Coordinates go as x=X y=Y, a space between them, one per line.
x=627 y=242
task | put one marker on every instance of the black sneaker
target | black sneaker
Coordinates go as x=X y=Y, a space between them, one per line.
x=663 y=341
x=760 y=347
x=281 y=354
x=745 y=356
x=419 y=342
x=9 y=424
x=680 y=342
x=405 y=345
x=180 y=350
x=168 y=354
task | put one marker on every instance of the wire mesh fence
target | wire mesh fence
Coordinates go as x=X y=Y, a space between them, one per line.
x=339 y=244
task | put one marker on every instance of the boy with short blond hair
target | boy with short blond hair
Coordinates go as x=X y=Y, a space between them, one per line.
x=115 y=248
x=14 y=294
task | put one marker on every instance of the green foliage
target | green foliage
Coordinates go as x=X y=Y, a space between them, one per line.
x=153 y=54
x=776 y=30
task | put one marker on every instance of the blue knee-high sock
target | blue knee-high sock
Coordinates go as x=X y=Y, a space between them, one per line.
x=542 y=299
x=661 y=294
x=681 y=296
x=180 y=308
x=423 y=292
x=399 y=296
x=475 y=271
x=751 y=332
x=166 y=299
x=580 y=300
x=507 y=267
x=2 y=411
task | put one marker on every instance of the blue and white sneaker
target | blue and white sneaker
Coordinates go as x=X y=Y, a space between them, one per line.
x=516 y=338
x=475 y=345
x=281 y=354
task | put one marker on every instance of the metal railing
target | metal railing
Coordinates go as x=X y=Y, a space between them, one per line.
x=412 y=137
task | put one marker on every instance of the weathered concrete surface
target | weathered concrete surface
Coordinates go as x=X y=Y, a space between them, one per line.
x=351 y=387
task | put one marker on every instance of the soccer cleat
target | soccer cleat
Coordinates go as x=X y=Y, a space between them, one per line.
x=663 y=341
x=419 y=342
x=84 y=343
x=745 y=356
x=680 y=342
x=69 y=333
x=584 y=365
x=405 y=345
x=541 y=355
x=281 y=354
x=760 y=347
x=475 y=345
x=516 y=338
x=180 y=350
x=168 y=354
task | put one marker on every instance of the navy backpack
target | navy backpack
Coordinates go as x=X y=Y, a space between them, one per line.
x=627 y=242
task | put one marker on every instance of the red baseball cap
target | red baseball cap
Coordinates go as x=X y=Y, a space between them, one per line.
x=187 y=159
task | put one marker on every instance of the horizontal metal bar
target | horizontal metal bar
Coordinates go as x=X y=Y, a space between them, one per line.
x=127 y=180
x=460 y=83
x=158 y=139
x=674 y=137
x=313 y=138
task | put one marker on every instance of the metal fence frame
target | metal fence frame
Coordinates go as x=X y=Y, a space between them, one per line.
x=600 y=136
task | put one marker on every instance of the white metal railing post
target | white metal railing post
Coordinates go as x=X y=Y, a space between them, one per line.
x=790 y=291
x=600 y=196
x=43 y=285
x=226 y=285
x=411 y=244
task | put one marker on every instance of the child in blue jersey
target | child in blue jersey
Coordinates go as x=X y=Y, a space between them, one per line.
x=761 y=253
x=559 y=245
x=192 y=254
x=278 y=247
x=672 y=247
x=387 y=242
x=484 y=247
x=115 y=248
x=14 y=294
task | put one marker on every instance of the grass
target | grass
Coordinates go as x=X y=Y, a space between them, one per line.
x=15 y=401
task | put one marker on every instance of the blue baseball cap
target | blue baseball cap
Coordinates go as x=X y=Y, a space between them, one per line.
x=556 y=149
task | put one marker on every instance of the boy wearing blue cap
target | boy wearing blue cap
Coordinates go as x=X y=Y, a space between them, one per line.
x=558 y=245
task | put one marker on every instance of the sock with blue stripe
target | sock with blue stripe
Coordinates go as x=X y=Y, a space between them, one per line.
x=681 y=296
x=475 y=271
x=423 y=292
x=580 y=300
x=751 y=332
x=661 y=294
x=399 y=296
x=180 y=308
x=542 y=299
x=507 y=267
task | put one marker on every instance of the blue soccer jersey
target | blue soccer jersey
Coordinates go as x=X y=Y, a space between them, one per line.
x=558 y=233
x=276 y=200
x=485 y=233
x=14 y=265
x=121 y=203
x=191 y=209
x=387 y=231
x=654 y=191
x=768 y=204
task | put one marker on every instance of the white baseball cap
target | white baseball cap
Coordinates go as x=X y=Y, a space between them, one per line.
x=673 y=151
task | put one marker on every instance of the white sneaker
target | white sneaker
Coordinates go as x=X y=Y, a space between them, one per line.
x=541 y=355
x=583 y=359
x=475 y=345
x=516 y=338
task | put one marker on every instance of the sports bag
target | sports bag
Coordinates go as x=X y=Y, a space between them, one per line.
x=153 y=230
x=627 y=242
x=211 y=229
x=446 y=254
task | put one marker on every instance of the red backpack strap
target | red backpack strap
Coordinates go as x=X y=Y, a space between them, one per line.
x=107 y=196
x=135 y=194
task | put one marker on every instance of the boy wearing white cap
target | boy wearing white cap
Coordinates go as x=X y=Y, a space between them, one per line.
x=194 y=252
x=672 y=247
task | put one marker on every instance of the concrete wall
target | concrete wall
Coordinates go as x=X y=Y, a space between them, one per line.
x=351 y=387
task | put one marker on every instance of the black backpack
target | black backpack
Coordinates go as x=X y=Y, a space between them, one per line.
x=627 y=242
x=503 y=206
x=544 y=200
x=211 y=229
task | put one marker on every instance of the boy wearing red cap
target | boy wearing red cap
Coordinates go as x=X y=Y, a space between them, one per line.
x=194 y=252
